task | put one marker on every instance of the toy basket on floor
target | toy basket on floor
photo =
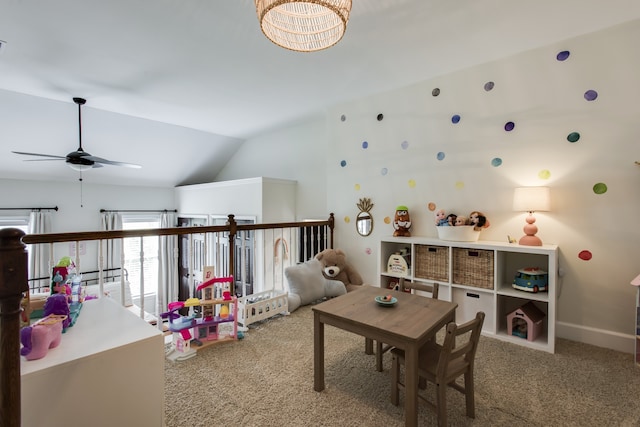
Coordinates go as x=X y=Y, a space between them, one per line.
x=260 y=306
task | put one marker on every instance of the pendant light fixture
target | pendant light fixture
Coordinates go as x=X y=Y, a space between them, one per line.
x=303 y=25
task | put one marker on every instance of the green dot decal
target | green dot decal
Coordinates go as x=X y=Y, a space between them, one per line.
x=544 y=174
x=496 y=162
x=573 y=137
x=600 y=188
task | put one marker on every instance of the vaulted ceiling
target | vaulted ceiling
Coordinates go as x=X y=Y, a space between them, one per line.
x=176 y=86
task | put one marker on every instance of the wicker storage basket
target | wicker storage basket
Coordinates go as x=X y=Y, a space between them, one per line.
x=473 y=267
x=432 y=262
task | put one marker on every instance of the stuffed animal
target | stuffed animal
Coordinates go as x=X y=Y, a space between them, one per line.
x=451 y=219
x=441 y=217
x=402 y=222
x=335 y=267
x=307 y=284
x=462 y=220
x=478 y=220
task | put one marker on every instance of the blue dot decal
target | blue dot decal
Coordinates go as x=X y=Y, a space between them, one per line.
x=384 y=171
x=563 y=56
x=496 y=162
x=440 y=156
x=455 y=118
x=404 y=145
x=365 y=145
x=590 y=95
x=488 y=86
x=509 y=126
x=343 y=163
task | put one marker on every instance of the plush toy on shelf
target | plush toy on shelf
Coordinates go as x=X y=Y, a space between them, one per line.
x=441 y=217
x=478 y=220
x=451 y=219
x=402 y=222
x=462 y=220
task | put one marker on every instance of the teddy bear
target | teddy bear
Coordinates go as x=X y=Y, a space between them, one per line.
x=335 y=266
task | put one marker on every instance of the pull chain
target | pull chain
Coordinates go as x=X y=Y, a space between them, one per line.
x=80 y=179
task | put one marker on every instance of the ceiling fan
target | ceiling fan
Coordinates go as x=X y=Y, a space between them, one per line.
x=79 y=160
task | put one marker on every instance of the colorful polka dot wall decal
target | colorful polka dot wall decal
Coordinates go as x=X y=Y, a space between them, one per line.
x=431 y=206
x=384 y=171
x=380 y=117
x=544 y=174
x=440 y=156
x=411 y=183
x=343 y=118
x=455 y=119
x=343 y=163
x=404 y=145
x=590 y=95
x=563 y=56
x=600 y=188
x=459 y=185
x=356 y=187
x=509 y=126
x=387 y=220
x=496 y=161
x=365 y=145
x=573 y=137
x=347 y=219
x=585 y=255
x=488 y=86
x=435 y=92
x=368 y=251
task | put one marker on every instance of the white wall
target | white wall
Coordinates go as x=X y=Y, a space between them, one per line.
x=545 y=99
x=71 y=216
x=296 y=153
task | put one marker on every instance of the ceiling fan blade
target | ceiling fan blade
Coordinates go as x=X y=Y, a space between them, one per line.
x=39 y=155
x=99 y=160
x=43 y=160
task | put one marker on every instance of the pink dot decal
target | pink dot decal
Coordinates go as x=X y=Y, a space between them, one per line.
x=585 y=255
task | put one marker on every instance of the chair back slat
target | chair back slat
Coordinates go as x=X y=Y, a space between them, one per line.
x=424 y=287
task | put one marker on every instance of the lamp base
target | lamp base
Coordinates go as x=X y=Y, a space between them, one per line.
x=530 y=241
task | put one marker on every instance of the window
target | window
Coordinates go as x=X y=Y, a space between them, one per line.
x=132 y=248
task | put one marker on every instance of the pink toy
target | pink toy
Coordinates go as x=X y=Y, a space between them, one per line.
x=41 y=336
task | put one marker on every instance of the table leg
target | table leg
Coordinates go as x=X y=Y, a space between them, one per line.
x=411 y=386
x=318 y=353
x=368 y=346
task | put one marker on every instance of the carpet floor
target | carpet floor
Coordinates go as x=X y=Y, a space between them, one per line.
x=266 y=379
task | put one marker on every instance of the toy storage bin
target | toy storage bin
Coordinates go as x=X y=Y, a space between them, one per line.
x=261 y=306
x=432 y=262
x=470 y=302
x=473 y=267
x=459 y=233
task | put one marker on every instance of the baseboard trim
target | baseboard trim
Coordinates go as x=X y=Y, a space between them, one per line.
x=598 y=337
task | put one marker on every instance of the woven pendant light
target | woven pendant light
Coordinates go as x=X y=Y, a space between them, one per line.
x=303 y=25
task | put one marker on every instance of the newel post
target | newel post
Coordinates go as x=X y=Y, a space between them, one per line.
x=13 y=282
x=233 y=230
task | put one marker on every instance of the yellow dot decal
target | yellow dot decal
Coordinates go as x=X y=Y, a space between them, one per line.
x=357 y=187
x=387 y=220
x=431 y=206
x=347 y=219
x=544 y=174
x=412 y=183
x=459 y=185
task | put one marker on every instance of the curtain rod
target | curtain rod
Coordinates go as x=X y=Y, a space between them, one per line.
x=138 y=210
x=29 y=209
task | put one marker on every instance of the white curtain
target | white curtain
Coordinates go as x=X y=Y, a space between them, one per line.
x=113 y=248
x=167 y=264
x=39 y=222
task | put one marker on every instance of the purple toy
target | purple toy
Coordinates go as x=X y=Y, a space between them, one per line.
x=57 y=304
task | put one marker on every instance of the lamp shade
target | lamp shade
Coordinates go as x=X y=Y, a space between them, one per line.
x=303 y=25
x=531 y=199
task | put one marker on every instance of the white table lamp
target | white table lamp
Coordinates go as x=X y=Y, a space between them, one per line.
x=531 y=199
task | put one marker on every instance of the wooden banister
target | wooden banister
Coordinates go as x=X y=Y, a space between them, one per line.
x=13 y=282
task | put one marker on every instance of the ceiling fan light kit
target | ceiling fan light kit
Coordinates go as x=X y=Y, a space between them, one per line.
x=303 y=25
x=79 y=160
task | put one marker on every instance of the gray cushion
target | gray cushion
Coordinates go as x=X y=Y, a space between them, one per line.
x=306 y=281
